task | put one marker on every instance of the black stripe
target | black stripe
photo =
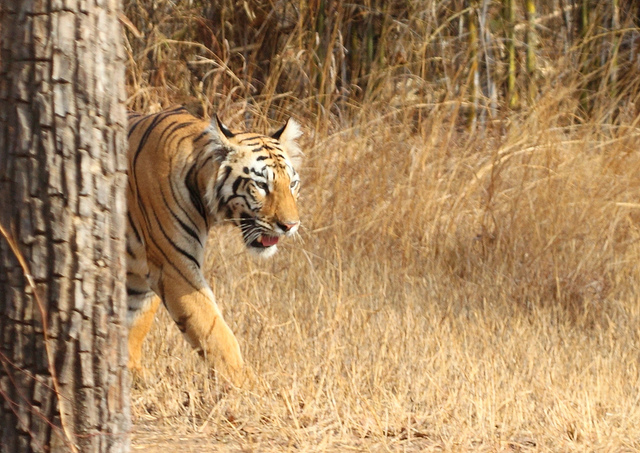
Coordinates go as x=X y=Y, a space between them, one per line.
x=182 y=322
x=177 y=108
x=133 y=126
x=242 y=197
x=141 y=117
x=182 y=139
x=221 y=184
x=151 y=240
x=176 y=246
x=135 y=292
x=179 y=205
x=236 y=184
x=260 y=144
x=253 y=199
x=161 y=290
x=130 y=180
x=261 y=174
x=129 y=251
x=253 y=137
x=177 y=125
x=204 y=162
x=191 y=182
x=168 y=130
x=133 y=227
x=158 y=118
x=202 y=134
x=172 y=264
x=184 y=226
x=175 y=196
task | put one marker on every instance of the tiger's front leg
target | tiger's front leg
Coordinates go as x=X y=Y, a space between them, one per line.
x=142 y=310
x=194 y=310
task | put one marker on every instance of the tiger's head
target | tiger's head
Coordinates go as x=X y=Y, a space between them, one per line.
x=257 y=183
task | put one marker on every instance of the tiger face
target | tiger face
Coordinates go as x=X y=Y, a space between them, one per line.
x=257 y=184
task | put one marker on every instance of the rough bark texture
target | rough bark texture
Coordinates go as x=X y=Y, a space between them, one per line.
x=63 y=379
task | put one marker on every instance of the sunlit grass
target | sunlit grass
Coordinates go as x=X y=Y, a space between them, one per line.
x=482 y=296
x=451 y=289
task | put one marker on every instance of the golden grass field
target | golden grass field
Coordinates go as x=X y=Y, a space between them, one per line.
x=449 y=291
x=454 y=287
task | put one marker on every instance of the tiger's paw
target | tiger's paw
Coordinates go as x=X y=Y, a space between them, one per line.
x=134 y=364
x=234 y=378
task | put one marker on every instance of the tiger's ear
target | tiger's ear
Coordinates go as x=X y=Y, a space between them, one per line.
x=289 y=132
x=223 y=134
x=222 y=129
x=288 y=135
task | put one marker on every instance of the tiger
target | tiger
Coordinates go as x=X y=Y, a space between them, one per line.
x=186 y=175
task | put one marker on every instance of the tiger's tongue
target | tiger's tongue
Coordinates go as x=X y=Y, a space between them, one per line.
x=268 y=241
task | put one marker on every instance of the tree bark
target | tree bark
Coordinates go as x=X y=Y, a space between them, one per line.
x=63 y=379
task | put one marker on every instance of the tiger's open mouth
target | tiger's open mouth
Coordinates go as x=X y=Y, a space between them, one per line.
x=255 y=238
x=264 y=241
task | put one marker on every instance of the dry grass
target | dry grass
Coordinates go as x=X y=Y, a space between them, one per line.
x=448 y=292
x=452 y=289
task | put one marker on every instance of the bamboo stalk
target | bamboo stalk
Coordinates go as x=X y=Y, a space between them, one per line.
x=489 y=59
x=585 y=66
x=531 y=50
x=584 y=18
x=615 y=25
x=509 y=20
x=474 y=76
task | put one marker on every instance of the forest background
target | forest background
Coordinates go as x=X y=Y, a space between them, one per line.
x=466 y=276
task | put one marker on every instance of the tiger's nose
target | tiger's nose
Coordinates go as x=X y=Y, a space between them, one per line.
x=288 y=225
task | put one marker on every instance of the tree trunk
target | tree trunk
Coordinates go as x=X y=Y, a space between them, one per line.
x=63 y=378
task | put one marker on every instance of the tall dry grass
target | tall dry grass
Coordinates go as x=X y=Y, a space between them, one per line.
x=451 y=289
